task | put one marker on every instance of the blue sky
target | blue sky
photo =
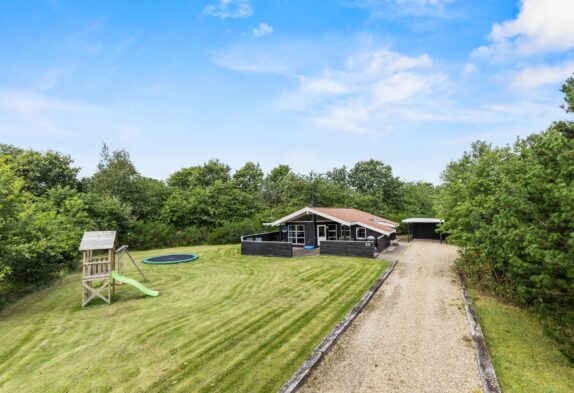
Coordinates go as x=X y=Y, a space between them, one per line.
x=313 y=84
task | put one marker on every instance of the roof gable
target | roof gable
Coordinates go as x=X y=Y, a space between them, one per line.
x=344 y=216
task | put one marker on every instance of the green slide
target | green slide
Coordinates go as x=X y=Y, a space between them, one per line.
x=118 y=277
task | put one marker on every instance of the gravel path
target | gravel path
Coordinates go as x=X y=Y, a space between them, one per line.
x=412 y=337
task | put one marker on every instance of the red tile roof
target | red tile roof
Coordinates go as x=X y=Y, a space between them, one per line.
x=359 y=216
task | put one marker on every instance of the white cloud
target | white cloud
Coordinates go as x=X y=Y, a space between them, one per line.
x=26 y=112
x=229 y=9
x=368 y=88
x=322 y=85
x=388 y=8
x=469 y=68
x=533 y=77
x=23 y=103
x=541 y=26
x=262 y=29
x=264 y=56
x=236 y=59
x=351 y=117
x=362 y=95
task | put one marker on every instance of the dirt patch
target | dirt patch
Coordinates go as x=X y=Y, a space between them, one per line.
x=412 y=338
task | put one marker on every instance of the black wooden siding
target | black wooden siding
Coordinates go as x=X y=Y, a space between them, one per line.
x=311 y=230
x=424 y=230
x=266 y=237
x=349 y=248
x=266 y=248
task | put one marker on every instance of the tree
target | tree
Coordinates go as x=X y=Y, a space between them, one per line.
x=338 y=176
x=282 y=189
x=37 y=239
x=184 y=179
x=511 y=211
x=417 y=200
x=212 y=172
x=249 y=178
x=151 y=196
x=568 y=90
x=11 y=201
x=319 y=191
x=41 y=171
x=376 y=178
x=200 y=176
x=278 y=173
x=209 y=207
x=116 y=176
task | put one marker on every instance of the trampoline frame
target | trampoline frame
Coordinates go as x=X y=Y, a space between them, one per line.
x=191 y=258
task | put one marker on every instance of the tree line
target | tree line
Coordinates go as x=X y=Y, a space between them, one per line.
x=511 y=211
x=45 y=207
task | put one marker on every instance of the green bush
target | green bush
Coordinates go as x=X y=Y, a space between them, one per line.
x=148 y=235
x=511 y=210
x=232 y=232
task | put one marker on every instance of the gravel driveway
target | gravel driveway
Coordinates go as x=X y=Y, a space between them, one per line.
x=412 y=337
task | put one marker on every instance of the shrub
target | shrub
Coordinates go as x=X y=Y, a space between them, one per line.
x=511 y=211
x=148 y=235
x=232 y=232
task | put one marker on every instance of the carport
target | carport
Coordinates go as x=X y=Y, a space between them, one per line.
x=423 y=228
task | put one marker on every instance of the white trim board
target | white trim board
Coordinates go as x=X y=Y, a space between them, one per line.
x=305 y=210
x=310 y=210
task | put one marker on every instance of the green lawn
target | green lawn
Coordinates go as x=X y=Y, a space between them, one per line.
x=526 y=361
x=225 y=323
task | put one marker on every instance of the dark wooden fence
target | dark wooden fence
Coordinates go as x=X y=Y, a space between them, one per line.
x=263 y=237
x=348 y=248
x=266 y=244
x=383 y=242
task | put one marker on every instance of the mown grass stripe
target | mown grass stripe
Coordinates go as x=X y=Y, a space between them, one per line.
x=268 y=309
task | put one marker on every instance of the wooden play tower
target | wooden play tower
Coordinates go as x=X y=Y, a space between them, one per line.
x=99 y=259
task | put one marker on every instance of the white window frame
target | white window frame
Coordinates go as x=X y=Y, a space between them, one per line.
x=296 y=233
x=345 y=232
x=357 y=233
x=331 y=231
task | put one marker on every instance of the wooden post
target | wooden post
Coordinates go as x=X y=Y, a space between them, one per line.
x=315 y=230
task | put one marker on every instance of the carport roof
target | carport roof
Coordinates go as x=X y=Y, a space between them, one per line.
x=423 y=220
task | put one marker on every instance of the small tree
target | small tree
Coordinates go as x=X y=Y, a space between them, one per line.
x=249 y=178
x=568 y=90
x=41 y=171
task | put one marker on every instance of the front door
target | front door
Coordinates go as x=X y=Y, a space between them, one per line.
x=321 y=233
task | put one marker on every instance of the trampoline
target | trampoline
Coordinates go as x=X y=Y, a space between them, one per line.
x=171 y=259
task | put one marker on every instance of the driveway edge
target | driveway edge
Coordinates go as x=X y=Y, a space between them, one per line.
x=299 y=377
x=485 y=368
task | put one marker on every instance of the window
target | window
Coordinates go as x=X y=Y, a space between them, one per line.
x=332 y=232
x=296 y=234
x=346 y=232
x=361 y=233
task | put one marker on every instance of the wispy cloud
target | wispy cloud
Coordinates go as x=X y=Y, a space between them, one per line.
x=376 y=89
x=533 y=77
x=24 y=112
x=262 y=56
x=229 y=9
x=469 y=68
x=541 y=26
x=262 y=29
x=362 y=94
x=391 y=8
x=24 y=103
